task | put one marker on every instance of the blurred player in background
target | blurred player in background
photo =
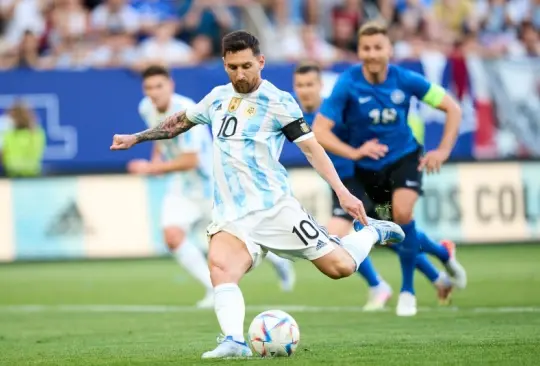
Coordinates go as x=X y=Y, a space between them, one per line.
x=372 y=101
x=254 y=209
x=307 y=87
x=187 y=206
x=188 y=159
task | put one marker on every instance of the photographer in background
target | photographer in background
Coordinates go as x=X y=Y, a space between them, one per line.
x=23 y=145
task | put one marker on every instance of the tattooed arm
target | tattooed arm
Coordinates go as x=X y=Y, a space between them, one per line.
x=170 y=127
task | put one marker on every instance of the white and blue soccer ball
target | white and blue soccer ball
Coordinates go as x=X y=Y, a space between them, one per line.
x=274 y=333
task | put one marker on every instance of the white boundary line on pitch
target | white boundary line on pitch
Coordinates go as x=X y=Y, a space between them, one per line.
x=254 y=308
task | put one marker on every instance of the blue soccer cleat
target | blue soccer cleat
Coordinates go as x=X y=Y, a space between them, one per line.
x=389 y=232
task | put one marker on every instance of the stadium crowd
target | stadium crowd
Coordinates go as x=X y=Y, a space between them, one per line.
x=78 y=34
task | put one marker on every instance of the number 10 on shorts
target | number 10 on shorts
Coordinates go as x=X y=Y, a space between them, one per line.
x=305 y=230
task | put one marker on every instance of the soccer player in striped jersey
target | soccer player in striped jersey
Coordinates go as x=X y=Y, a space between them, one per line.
x=187 y=205
x=254 y=209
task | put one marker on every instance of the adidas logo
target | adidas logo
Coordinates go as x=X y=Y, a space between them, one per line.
x=68 y=222
x=320 y=244
x=218 y=107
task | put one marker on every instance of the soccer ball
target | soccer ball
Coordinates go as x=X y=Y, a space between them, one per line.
x=274 y=333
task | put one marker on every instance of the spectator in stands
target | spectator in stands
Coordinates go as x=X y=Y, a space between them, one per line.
x=495 y=24
x=154 y=12
x=115 y=16
x=528 y=42
x=117 y=50
x=346 y=19
x=532 y=12
x=21 y=16
x=164 y=49
x=25 y=55
x=24 y=144
x=310 y=46
x=454 y=16
x=210 y=18
x=69 y=18
x=72 y=53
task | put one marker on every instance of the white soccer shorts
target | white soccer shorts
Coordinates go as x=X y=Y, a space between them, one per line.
x=285 y=229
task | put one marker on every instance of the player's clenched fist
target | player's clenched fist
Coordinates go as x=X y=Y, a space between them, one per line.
x=123 y=142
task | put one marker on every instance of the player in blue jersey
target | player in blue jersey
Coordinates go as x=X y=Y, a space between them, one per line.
x=307 y=87
x=372 y=100
x=254 y=210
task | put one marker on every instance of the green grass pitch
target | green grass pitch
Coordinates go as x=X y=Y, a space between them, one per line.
x=138 y=312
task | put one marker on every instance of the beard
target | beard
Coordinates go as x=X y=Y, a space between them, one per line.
x=243 y=87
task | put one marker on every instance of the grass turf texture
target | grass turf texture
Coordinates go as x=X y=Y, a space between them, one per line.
x=139 y=313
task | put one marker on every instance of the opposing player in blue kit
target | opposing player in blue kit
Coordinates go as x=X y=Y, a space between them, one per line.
x=307 y=88
x=372 y=101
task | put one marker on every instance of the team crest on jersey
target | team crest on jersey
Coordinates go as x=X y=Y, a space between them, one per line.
x=250 y=112
x=234 y=104
x=397 y=96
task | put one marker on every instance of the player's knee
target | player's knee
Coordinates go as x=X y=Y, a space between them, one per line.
x=227 y=263
x=338 y=267
x=173 y=237
x=341 y=270
x=223 y=270
x=402 y=215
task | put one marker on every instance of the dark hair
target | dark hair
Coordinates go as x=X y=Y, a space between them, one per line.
x=155 y=70
x=307 y=67
x=238 y=41
x=373 y=27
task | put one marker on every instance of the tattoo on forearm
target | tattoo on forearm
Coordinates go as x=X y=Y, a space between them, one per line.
x=170 y=127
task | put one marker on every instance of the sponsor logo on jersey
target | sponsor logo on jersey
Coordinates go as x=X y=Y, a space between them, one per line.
x=397 y=96
x=218 y=107
x=364 y=100
x=320 y=244
x=234 y=104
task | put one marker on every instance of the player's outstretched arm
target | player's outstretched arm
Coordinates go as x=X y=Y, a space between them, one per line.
x=318 y=158
x=171 y=126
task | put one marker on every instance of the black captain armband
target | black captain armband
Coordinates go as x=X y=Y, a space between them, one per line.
x=296 y=129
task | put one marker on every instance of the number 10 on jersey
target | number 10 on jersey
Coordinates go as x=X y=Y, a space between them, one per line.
x=228 y=126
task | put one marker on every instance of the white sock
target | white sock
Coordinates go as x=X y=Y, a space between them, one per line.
x=192 y=259
x=230 y=310
x=359 y=243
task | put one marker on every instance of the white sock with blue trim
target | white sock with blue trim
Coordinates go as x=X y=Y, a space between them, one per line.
x=359 y=244
x=230 y=310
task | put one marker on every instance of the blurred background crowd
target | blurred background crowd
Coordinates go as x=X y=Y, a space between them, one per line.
x=78 y=34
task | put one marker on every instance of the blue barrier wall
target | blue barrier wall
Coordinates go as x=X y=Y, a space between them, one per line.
x=81 y=110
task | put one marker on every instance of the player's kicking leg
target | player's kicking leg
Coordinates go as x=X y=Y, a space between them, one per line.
x=233 y=252
x=379 y=290
x=183 y=247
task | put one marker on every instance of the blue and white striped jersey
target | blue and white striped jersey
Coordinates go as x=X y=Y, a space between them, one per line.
x=248 y=139
x=195 y=183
